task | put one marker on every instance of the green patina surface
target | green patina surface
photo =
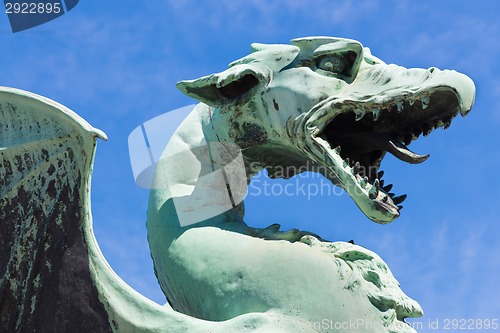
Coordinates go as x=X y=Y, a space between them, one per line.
x=318 y=102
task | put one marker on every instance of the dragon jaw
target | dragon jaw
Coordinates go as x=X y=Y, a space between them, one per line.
x=351 y=137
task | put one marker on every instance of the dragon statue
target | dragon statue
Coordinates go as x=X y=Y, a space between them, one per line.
x=321 y=104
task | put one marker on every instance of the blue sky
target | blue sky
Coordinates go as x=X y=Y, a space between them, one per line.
x=116 y=64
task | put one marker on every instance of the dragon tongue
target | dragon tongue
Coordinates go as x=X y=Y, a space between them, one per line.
x=402 y=152
x=364 y=142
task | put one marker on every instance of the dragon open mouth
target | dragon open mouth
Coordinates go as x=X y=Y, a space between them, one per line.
x=359 y=139
x=365 y=137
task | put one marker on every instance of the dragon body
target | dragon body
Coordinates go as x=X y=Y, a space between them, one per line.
x=321 y=104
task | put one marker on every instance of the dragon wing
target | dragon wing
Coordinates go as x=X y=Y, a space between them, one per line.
x=53 y=276
x=46 y=154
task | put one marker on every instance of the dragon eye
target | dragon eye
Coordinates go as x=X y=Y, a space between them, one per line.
x=341 y=64
x=332 y=63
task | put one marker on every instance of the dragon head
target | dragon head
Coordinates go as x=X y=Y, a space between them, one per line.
x=328 y=104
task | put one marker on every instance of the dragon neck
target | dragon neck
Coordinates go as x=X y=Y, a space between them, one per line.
x=196 y=182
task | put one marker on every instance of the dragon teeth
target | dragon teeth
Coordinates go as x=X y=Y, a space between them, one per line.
x=425 y=102
x=399 y=105
x=447 y=122
x=363 y=182
x=399 y=199
x=408 y=139
x=427 y=129
x=387 y=188
x=376 y=114
x=373 y=192
x=359 y=115
x=356 y=168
